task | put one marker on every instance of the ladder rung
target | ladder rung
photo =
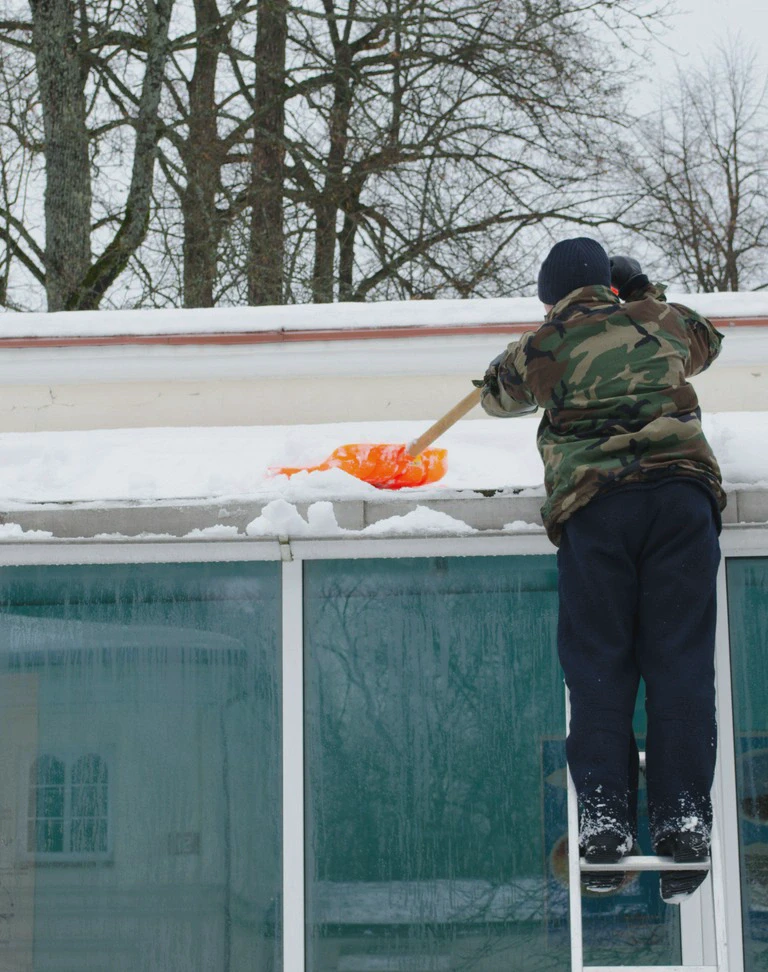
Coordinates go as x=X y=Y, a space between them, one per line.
x=650 y=968
x=641 y=862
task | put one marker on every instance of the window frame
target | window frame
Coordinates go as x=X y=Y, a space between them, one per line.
x=68 y=757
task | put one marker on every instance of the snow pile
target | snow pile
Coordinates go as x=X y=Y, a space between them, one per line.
x=421 y=521
x=740 y=442
x=12 y=531
x=218 y=532
x=220 y=465
x=199 y=464
x=212 y=464
x=204 y=464
x=520 y=526
x=281 y=519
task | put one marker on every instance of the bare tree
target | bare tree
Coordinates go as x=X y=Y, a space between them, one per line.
x=400 y=147
x=702 y=175
x=19 y=149
x=221 y=154
x=207 y=125
x=437 y=126
x=222 y=150
x=338 y=149
x=75 y=52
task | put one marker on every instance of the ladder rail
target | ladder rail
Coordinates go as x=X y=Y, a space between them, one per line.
x=718 y=898
x=636 y=863
x=574 y=870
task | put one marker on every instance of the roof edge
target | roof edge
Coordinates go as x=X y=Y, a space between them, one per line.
x=288 y=335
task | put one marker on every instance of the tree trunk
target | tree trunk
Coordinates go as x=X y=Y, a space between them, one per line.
x=67 y=167
x=133 y=228
x=202 y=161
x=347 y=256
x=325 y=249
x=267 y=248
x=733 y=185
x=334 y=190
x=347 y=244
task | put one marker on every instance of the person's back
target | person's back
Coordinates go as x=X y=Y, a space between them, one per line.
x=633 y=499
x=612 y=379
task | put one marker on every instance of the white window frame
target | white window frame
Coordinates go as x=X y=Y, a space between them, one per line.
x=736 y=541
x=67 y=856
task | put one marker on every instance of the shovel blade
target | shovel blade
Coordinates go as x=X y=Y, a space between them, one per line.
x=382 y=465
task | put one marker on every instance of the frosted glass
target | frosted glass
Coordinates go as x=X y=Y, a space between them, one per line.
x=748 y=621
x=140 y=760
x=435 y=760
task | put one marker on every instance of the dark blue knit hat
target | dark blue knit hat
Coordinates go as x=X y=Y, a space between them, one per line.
x=581 y=262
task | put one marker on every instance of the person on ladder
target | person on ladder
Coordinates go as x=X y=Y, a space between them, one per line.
x=633 y=502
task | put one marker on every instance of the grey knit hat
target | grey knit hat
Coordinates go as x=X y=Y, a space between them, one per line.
x=580 y=262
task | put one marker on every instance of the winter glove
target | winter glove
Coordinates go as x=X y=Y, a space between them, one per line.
x=627 y=276
x=494 y=398
x=490 y=381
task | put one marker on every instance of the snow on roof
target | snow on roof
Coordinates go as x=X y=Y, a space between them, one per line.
x=324 y=317
x=100 y=468
x=195 y=465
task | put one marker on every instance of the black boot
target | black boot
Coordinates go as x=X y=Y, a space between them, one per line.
x=606 y=848
x=686 y=847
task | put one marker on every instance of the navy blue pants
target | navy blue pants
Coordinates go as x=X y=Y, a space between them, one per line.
x=637 y=585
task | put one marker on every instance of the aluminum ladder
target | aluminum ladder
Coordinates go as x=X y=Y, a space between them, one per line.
x=637 y=863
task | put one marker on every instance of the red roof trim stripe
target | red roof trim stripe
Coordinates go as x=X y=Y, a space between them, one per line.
x=291 y=336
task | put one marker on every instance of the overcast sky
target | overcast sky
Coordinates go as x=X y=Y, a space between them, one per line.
x=692 y=36
x=700 y=25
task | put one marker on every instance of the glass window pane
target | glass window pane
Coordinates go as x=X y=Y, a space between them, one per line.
x=46 y=836
x=47 y=771
x=436 y=796
x=748 y=622
x=88 y=836
x=139 y=735
x=89 y=801
x=50 y=801
x=82 y=837
x=89 y=769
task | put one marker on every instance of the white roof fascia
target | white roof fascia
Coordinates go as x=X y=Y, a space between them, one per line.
x=369 y=358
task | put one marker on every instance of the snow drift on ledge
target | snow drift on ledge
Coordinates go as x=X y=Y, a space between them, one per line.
x=198 y=465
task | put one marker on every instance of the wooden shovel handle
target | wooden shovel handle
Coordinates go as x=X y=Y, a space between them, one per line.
x=443 y=424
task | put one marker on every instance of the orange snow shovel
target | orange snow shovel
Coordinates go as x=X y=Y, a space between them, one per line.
x=395 y=466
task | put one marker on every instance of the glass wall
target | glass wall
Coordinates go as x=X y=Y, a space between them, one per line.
x=748 y=621
x=140 y=760
x=140 y=812
x=436 y=776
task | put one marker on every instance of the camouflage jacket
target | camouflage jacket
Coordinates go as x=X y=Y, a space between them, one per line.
x=611 y=378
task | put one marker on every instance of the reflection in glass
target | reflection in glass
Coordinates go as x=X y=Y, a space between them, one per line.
x=88 y=827
x=46 y=806
x=139 y=752
x=748 y=621
x=436 y=776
